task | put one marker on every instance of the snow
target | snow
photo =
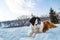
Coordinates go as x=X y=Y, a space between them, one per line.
x=21 y=33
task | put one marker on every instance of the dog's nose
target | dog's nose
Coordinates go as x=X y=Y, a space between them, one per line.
x=36 y=24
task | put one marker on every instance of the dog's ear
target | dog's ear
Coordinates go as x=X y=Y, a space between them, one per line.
x=32 y=20
x=39 y=20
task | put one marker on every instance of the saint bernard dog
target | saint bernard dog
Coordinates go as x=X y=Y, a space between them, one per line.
x=38 y=26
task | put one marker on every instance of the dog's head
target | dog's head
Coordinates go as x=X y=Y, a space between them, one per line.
x=35 y=20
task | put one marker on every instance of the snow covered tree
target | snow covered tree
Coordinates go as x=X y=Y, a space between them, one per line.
x=53 y=16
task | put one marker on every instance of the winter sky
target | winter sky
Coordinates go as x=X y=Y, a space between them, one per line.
x=11 y=9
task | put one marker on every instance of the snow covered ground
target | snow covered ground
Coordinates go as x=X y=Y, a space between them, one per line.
x=21 y=33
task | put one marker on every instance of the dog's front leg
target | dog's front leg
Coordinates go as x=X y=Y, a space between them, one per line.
x=30 y=34
x=34 y=35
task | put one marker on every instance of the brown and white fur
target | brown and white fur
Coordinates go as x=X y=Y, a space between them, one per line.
x=37 y=26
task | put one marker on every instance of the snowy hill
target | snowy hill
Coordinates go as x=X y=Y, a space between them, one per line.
x=15 y=23
x=21 y=33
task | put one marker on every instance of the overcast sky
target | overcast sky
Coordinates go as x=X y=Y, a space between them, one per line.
x=11 y=9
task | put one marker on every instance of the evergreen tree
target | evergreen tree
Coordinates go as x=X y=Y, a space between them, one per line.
x=53 y=16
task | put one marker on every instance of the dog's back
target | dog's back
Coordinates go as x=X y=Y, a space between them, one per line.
x=48 y=24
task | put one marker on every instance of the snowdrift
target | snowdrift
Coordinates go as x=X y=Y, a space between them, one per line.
x=21 y=33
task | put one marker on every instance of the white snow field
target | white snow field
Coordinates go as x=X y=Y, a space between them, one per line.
x=21 y=33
